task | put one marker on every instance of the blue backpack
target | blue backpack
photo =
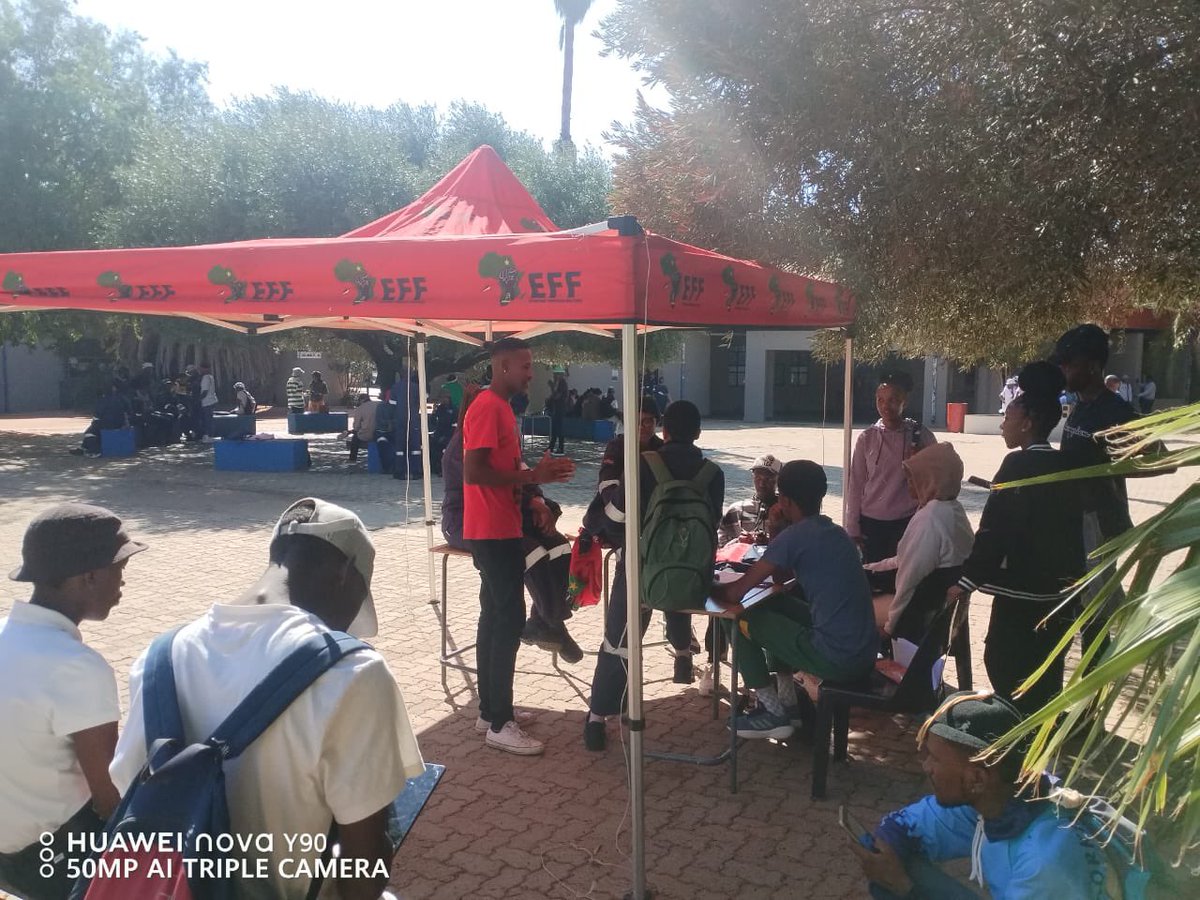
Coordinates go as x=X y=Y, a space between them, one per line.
x=181 y=789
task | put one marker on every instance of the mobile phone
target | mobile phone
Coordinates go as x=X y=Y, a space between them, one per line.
x=854 y=828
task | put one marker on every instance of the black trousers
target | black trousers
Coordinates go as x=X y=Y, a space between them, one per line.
x=21 y=873
x=355 y=444
x=612 y=668
x=1015 y=647
x=501 y=566
x=880 y=539
x=556 y=432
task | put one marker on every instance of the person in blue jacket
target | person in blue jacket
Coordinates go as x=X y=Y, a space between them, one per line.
x=1021 y=847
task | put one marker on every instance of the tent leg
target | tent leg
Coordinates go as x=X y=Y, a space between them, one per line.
x=633 y=526
x=847 y=423
x=426 y=463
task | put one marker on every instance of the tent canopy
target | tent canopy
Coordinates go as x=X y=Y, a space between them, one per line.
x=474 y=249
x=480 y=195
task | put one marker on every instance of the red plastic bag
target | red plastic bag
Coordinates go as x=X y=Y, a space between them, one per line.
x=585 y=583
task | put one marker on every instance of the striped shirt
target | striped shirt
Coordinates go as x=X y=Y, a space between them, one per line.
x=295 y=394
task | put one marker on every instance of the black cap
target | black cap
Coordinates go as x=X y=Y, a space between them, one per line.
x=71 y=539
x=973 y=720
x=1084 y=341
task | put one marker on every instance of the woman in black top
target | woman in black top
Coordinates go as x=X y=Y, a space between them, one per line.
x=1029 y=547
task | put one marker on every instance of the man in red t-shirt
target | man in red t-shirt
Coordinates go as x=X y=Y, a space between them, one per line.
x=493 y=476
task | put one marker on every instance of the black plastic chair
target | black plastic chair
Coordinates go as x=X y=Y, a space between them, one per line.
x=914 y=694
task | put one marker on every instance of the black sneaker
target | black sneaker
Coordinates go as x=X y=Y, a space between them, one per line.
x=567 y=648
x=595 y=738
x=683 y=670
x=540 y=634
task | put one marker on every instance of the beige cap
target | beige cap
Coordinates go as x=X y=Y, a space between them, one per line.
x=342 y=528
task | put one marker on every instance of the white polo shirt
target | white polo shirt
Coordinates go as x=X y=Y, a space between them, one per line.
x=51 y=686
x=341 y=751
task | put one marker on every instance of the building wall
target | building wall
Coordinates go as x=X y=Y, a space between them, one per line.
x=30 y=379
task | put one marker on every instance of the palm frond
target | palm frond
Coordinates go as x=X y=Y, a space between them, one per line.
x=1127 y=722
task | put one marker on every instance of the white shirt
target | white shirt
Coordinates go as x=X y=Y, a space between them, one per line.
x=1149 y=390
x=208 y=391
x=341 y=751
x=939 y=536
x=52 y=685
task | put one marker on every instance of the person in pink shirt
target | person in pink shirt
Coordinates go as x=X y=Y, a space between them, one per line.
x=878 y=503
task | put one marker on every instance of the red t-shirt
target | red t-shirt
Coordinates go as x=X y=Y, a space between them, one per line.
x=492 y=513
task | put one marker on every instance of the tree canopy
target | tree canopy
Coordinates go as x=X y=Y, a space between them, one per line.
x=980 y=174
x=105 y=145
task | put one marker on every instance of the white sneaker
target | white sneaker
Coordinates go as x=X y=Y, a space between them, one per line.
x=522 y=717
x=705 y=686
x=207 y=439
x=511 y=739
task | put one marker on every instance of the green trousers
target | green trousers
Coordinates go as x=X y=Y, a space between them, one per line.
x=778 y=634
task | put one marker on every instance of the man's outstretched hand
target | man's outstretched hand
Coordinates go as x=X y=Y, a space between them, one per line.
x=883 y=867
x=553 y=469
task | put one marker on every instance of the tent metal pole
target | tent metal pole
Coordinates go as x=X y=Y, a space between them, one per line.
x=426 y=463
x=633 y=597
x=847 y=424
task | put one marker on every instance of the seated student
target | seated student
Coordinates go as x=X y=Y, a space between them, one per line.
x=681 y=456
x=1019 y=846
x=746 y=520
x=244 y=402
x=363 y=428
x=58 y=697
x=830 y=632
x=342 y=751
x=935 y=543
x=547 y=552
x=112 y=413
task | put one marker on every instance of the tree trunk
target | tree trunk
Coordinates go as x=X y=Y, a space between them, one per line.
x=568 y=76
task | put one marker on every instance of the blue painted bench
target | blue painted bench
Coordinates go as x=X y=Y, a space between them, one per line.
x=282 y=455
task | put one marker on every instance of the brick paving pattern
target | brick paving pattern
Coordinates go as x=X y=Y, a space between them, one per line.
x=503 y=826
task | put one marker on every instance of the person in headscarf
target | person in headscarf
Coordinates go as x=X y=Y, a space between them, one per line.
x=937 y=540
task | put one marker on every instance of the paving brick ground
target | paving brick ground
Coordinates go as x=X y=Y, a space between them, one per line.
x=502 y=826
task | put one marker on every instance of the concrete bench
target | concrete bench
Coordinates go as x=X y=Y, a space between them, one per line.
x=318 y=423
x=118 y=442
x=224 y=426
x=281 y=455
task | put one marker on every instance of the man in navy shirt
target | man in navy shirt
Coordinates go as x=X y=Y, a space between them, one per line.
x=830 y=632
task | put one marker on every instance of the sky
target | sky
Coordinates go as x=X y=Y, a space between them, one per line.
x=501 y=53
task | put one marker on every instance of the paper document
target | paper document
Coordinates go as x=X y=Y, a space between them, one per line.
x=753 y=596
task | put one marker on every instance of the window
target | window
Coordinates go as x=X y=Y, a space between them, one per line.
x=736 y=371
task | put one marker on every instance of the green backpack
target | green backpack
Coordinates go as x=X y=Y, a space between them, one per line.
x=679 y=539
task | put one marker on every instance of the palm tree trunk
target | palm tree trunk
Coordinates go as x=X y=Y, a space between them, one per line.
x=568 y=76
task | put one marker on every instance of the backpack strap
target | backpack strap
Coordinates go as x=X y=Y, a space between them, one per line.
x=704 y=477
x=275 y=693
x=160 y=702
x=658 y=468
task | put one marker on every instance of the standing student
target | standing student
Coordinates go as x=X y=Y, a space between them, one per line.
x=1147 y=394
x=318 y=390
x=878 y=504
x=1081 y=355
x=558 y=405
x=58 y=697
x=547 y=554
x=493 y=476
x=606 y=515
x=295 y=391
x=1029 y=546
x=208 y=402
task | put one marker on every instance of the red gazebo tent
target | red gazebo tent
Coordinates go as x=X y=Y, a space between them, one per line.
x=475 y=254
